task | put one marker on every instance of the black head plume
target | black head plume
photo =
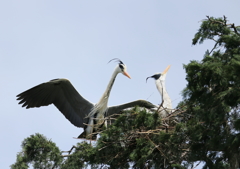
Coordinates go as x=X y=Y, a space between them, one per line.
x=156 y=76
x=147 y=78
x=117 y=60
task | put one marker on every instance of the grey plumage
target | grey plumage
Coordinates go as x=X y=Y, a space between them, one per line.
x=79 y=111
x=63 y=95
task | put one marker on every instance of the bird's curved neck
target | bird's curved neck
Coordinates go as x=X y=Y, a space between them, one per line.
x=101 y=107
x=106 y=94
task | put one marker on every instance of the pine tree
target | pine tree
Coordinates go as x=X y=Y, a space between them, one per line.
x=205 y=126
x=38 y=152
x=212 y=97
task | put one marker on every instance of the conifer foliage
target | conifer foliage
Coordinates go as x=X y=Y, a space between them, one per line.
x=38 y=152
x=212 y=97
x=205 y=126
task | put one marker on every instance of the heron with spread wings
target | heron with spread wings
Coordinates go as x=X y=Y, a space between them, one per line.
x=79 y=111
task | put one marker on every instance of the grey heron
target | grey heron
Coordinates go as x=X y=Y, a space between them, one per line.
x=160 y=84
x=79 y=111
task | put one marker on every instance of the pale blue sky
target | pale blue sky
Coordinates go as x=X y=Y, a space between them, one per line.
x=48 y=39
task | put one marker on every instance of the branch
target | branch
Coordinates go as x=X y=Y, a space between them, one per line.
x=235 y=29
x=197 y=165
x=225 y=24
x=220 y=22
x=156 y=146
x=214 y=46
x=69 y=152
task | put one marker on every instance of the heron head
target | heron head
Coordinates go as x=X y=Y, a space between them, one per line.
x=121 y=68
x=156 y=76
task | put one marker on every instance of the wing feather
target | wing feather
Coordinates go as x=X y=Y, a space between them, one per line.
x=63 y=95
x=142 y=103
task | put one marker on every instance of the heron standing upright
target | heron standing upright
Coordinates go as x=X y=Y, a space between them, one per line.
x=160 y=84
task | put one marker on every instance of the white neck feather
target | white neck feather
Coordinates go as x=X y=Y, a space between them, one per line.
x=160 y=83
x=101 y=106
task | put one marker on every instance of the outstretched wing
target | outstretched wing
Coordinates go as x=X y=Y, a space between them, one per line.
x=142 y=103
x=63 y=95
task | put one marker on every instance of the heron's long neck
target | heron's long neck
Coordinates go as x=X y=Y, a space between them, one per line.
x=160 y=83
x=101 y=106
x=105 y=96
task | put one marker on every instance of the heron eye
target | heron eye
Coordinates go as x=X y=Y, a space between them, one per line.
x=121 y=66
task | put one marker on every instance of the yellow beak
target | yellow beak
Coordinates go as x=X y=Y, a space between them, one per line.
x=126 y=74
x=166 y=70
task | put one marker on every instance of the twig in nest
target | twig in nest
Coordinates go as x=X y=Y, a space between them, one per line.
x=156 y=146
